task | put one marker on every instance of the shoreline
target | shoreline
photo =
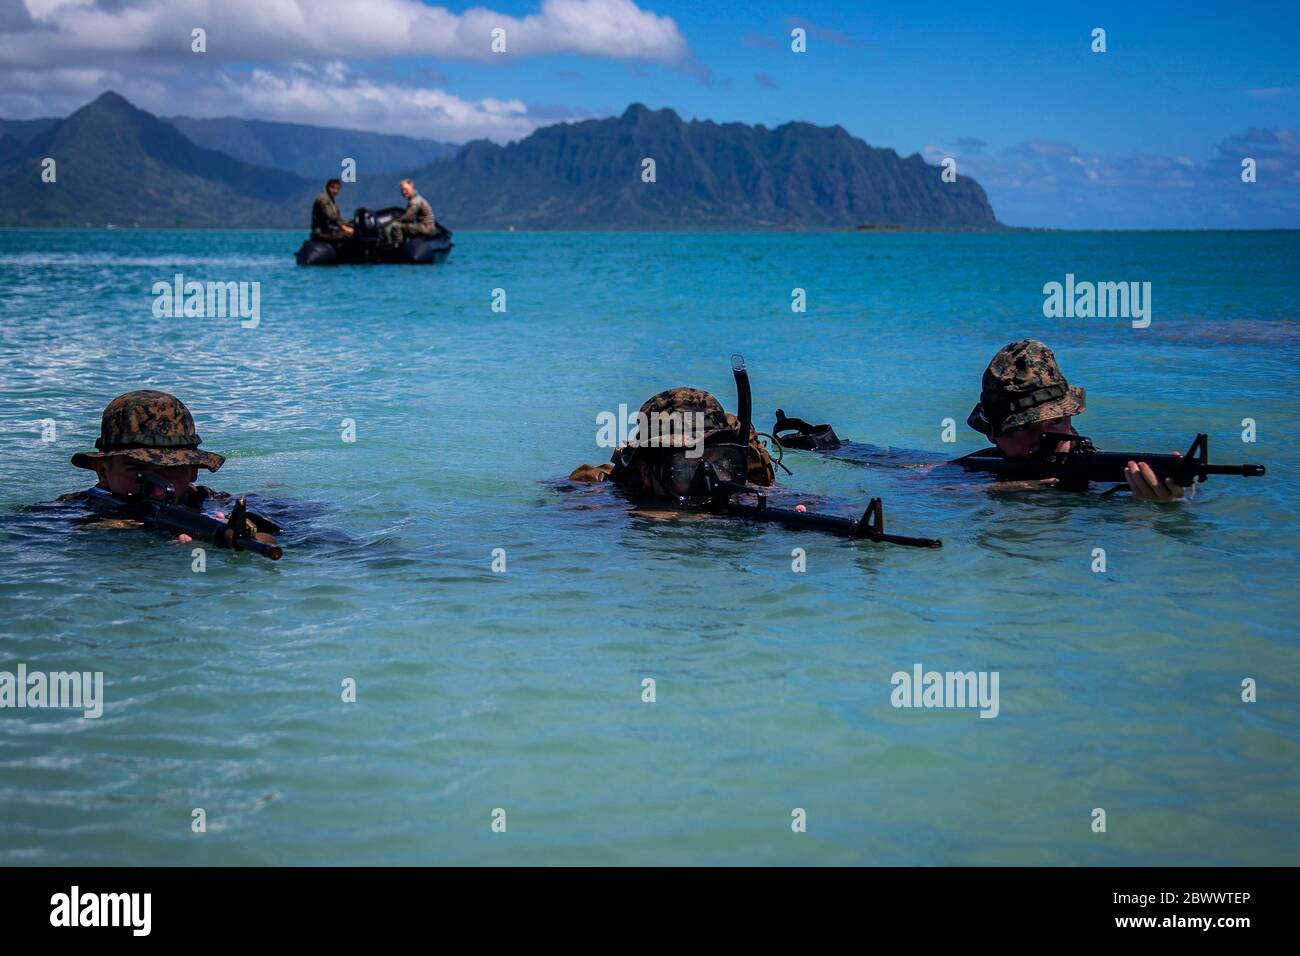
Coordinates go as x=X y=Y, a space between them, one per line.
x=738 y=230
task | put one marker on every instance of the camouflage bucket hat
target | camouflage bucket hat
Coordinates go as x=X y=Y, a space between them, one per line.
x=153 y=428
x=1022 y=385
x=682 y=404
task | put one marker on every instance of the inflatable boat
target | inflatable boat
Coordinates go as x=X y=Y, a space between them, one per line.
x=365 y=244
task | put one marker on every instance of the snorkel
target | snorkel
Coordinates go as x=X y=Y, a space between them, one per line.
x=744 y=402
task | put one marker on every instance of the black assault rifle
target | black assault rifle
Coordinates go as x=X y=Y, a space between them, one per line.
x=1082 y=464
x=166 y=514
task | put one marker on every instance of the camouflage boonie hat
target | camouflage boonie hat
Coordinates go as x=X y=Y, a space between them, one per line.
x=682 y=402
x=1022 y=385
x=153 y=428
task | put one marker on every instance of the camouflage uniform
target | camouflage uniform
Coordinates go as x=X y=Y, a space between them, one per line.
x=417 y=220
x=719 y=426
x=326 y=223
x=1022 y=385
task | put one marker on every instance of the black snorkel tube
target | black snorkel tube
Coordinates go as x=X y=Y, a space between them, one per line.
x=744 y=400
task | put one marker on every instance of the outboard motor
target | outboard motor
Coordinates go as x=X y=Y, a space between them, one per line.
x=372 y=223
x=384 y=216
x=364 y=225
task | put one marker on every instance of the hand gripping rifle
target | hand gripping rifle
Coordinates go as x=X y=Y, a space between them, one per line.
x=167 y=515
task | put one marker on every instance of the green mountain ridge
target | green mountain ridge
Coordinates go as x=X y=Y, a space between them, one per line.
x=119 y=164
x=589 y=175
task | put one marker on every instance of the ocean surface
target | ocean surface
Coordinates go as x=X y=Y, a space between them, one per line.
x=518 y=696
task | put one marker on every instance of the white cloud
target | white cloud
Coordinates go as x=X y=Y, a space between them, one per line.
x=334 y=98
x=302 y=60
x=284 y=30
x=329 y=95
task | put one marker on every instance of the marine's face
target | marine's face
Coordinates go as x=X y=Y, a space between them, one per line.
x=333 y=190
x=1023 y=442
x=407 y=190
x=121 y=476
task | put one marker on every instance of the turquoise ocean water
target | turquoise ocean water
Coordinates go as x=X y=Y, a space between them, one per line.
x=523 y=690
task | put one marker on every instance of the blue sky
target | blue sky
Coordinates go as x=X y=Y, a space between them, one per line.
x=907 y=75
x=1150 y=133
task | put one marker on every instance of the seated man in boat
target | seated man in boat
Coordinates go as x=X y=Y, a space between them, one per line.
x=417 y=220
x=326 y=223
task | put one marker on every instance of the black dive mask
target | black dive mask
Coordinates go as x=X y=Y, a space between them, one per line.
x=681 y=476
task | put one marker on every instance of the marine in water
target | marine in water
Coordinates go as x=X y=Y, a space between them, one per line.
x=676 y=420
x=148 y=448
x=690 y=456
x=1027 y=409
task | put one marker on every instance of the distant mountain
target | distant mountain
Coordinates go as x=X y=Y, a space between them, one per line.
x=589 y=175
x=24 y=130
x=315 y=152
x=15 y=134
x=119 y=164
x=10 y=147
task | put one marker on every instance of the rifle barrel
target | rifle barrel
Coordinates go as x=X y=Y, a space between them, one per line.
x=1245 y=471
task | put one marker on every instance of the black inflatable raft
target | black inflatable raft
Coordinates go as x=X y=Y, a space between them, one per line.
x=365 y=244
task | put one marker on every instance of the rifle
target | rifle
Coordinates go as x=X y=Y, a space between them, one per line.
x=709 y=485
x=1082 y=464
x=175 y=518
x=716 y=494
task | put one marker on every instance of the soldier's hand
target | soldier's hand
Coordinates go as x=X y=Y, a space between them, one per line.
x=591 y=473
x=1145 y=486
